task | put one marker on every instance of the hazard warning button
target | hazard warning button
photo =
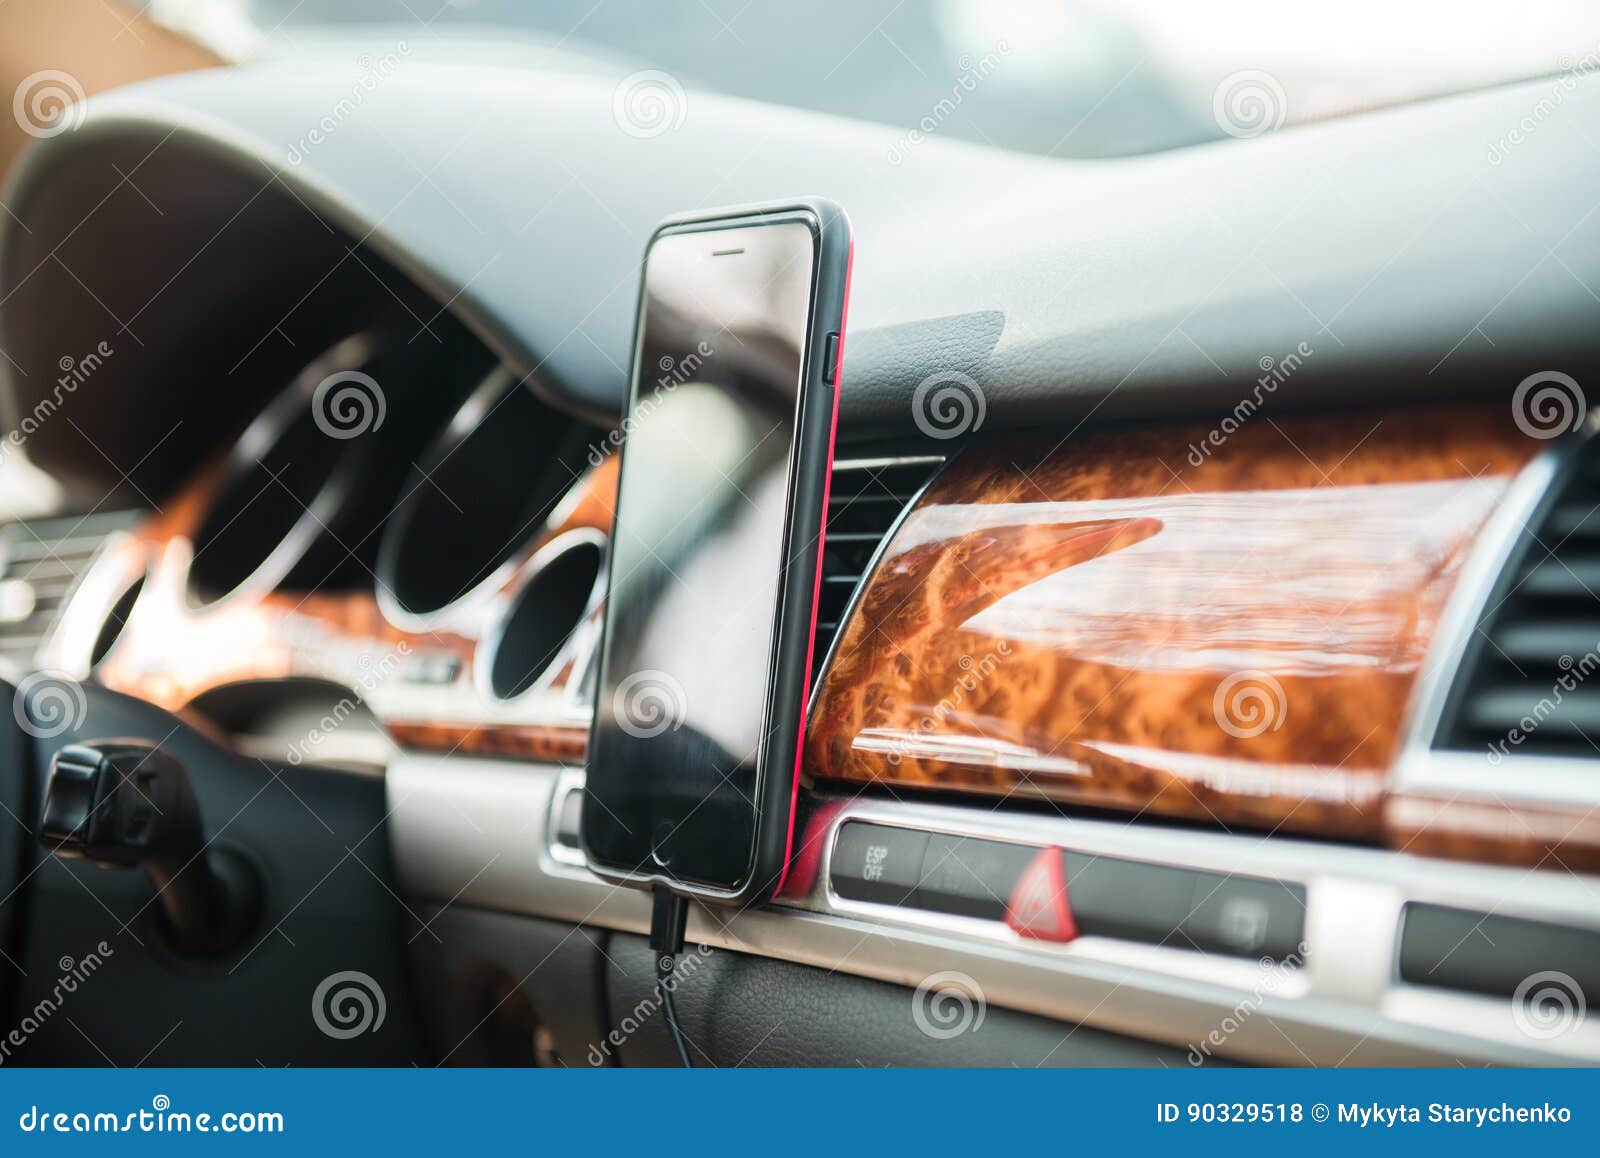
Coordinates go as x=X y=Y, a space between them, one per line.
x=1038 y=907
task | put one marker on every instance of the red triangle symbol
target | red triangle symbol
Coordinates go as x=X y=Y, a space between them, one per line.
x=1038 y=907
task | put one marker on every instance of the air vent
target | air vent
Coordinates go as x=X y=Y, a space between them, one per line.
x=40 y=563
x=1529 y=683
x=865 y=501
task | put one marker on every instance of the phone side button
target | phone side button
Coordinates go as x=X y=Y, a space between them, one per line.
x=830 y=358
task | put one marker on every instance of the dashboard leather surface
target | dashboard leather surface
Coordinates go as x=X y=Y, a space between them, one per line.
x=819 y=1017
x=494 y=980
x=1388 y=242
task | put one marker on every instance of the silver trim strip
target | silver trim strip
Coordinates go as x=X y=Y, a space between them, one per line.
x=474 y=831
x=578 y=638
x=1464 y=608
x=495 y=386
x=274 y=421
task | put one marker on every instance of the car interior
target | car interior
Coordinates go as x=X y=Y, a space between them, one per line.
x=1209 y=522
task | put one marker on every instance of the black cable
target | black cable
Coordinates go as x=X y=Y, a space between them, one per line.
x=669 y=915
x=664 y=986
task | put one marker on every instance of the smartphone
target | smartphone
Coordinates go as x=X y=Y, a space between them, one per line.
x=716 y=550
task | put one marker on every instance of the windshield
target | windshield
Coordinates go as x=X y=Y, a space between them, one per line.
x=1107 y=78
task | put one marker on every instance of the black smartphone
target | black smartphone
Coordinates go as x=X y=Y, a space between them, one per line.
x=716 y=550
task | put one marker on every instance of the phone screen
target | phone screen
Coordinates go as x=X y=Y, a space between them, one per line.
x=683 y=709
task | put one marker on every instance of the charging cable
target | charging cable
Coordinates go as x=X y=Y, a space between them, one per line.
x=669 y=913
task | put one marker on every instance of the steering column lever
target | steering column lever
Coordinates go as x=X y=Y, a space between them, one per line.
x=128 y=803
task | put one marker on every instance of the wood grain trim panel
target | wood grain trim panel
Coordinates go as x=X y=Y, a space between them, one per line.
x=1172 y=620
x=1493 y=830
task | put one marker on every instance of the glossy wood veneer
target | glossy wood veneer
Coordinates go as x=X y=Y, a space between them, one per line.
x=1157 y=621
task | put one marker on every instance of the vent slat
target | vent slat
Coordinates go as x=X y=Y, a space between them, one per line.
x=1578 y=519
x=1561 y=578
x=1531 y=678
x=866 y=498
x=1549 y=642
x=1504 y=708
x=48 y=557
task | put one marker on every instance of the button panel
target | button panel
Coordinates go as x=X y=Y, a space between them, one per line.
x=1246 y=916
x=1479 y=952
x=1108 y=896
x=969 y=877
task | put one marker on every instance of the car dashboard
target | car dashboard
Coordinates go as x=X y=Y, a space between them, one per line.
x=1198 y=519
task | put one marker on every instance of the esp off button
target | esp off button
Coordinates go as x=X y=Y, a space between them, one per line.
x=877 y=862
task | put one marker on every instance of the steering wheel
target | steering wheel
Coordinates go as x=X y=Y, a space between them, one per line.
x=17 y=814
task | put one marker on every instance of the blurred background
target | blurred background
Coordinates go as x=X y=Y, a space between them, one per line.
x=1073 y=78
